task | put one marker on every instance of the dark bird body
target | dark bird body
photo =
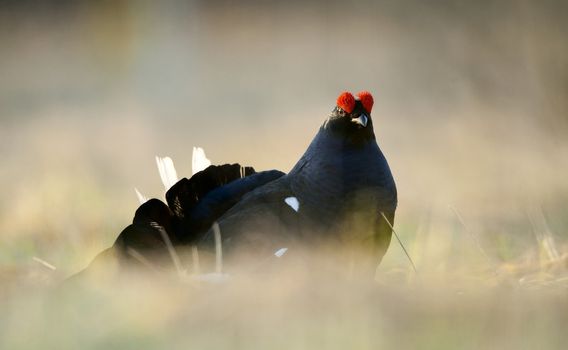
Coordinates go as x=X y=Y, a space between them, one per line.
x=342 y=183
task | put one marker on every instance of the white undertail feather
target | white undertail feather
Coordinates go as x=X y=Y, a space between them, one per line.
x=167 y=171
x=169 y=177
x=141 y=198
x=199 y=161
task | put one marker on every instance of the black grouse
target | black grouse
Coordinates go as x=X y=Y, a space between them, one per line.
x=337 y=195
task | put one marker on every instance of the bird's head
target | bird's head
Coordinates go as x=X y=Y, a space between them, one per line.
x=351 y=117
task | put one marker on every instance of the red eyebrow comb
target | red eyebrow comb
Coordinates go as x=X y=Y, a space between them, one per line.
x=366 y=100
x=346 y=101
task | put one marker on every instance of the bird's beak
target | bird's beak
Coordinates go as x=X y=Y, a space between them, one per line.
x=362 y=120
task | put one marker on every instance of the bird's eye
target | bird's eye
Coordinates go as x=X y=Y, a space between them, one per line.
x=340 y=112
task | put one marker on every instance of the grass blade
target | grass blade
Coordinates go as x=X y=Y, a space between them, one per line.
x=400 y=242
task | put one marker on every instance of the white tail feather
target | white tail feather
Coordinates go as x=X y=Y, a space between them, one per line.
x=167 y=171
x=199 y=161
x=141 y=198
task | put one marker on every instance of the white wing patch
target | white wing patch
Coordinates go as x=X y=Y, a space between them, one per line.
x=141 y=198
x=293 y=203
x=167 y=171
x=199 y=161
x=280 y=252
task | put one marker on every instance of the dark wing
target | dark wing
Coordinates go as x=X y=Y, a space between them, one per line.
x=194 y=204
x=144 y=241
x=221 y=199
x=186 y=193
x=199 y=201
x=259 y=224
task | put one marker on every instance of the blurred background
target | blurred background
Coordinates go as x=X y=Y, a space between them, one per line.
x=471 y=110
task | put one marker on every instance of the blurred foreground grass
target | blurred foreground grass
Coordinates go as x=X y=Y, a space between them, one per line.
x=475 y=289
x=486 y=229
x=295 y=309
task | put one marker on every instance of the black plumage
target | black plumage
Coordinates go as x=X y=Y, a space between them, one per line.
x=147 y=236
x=199 y=201
x=193 y=205
x=144 y=243
x=342 y=184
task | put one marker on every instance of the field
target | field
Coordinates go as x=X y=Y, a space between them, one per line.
x=470 y=111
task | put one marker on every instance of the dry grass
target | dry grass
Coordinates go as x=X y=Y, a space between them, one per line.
x=295 y=308
x=492 y=269
x=470 y=110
